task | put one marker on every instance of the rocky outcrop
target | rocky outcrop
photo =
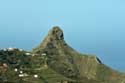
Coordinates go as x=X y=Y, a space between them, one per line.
x=68 y=62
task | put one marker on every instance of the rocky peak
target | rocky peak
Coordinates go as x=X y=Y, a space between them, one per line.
x=66 y=61
x=53 y=40
x=56 y=33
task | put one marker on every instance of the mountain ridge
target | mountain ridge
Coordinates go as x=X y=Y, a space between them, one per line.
x=55 y=41
x=54 y=61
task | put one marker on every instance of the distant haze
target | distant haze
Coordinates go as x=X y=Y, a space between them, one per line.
x=90 y=26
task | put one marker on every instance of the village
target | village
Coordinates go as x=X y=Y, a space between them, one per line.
x=5 y=66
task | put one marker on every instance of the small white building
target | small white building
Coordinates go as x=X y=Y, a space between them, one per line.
x=21 y=72
x=10 y=49
x=15 y=69
x=4 y=49
x=5 y=66
x=21 y=75
x=35 y=76
x=43 y=54
x=27 y=53
x=25 y=74
x=33 y=54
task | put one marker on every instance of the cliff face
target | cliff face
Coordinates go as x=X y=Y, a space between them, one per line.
x=65 y=60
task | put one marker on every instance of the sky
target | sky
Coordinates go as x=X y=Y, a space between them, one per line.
x=90 y=26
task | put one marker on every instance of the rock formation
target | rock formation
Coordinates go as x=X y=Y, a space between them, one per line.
x=54 y=61
x=68 y=62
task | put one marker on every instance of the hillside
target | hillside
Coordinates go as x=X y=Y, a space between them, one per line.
x=54 y=61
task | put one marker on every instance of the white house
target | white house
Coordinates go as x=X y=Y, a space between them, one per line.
x=21 y=75
x=21 y=71
x=4 y=49
x=43 y=54
x=35 y=76
x=15 y=69
x=10 y=49
x=27 y=53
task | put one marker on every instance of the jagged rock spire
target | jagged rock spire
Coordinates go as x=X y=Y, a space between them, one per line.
x=56 y=33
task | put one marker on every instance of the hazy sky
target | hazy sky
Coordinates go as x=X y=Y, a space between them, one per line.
x=90 y=26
